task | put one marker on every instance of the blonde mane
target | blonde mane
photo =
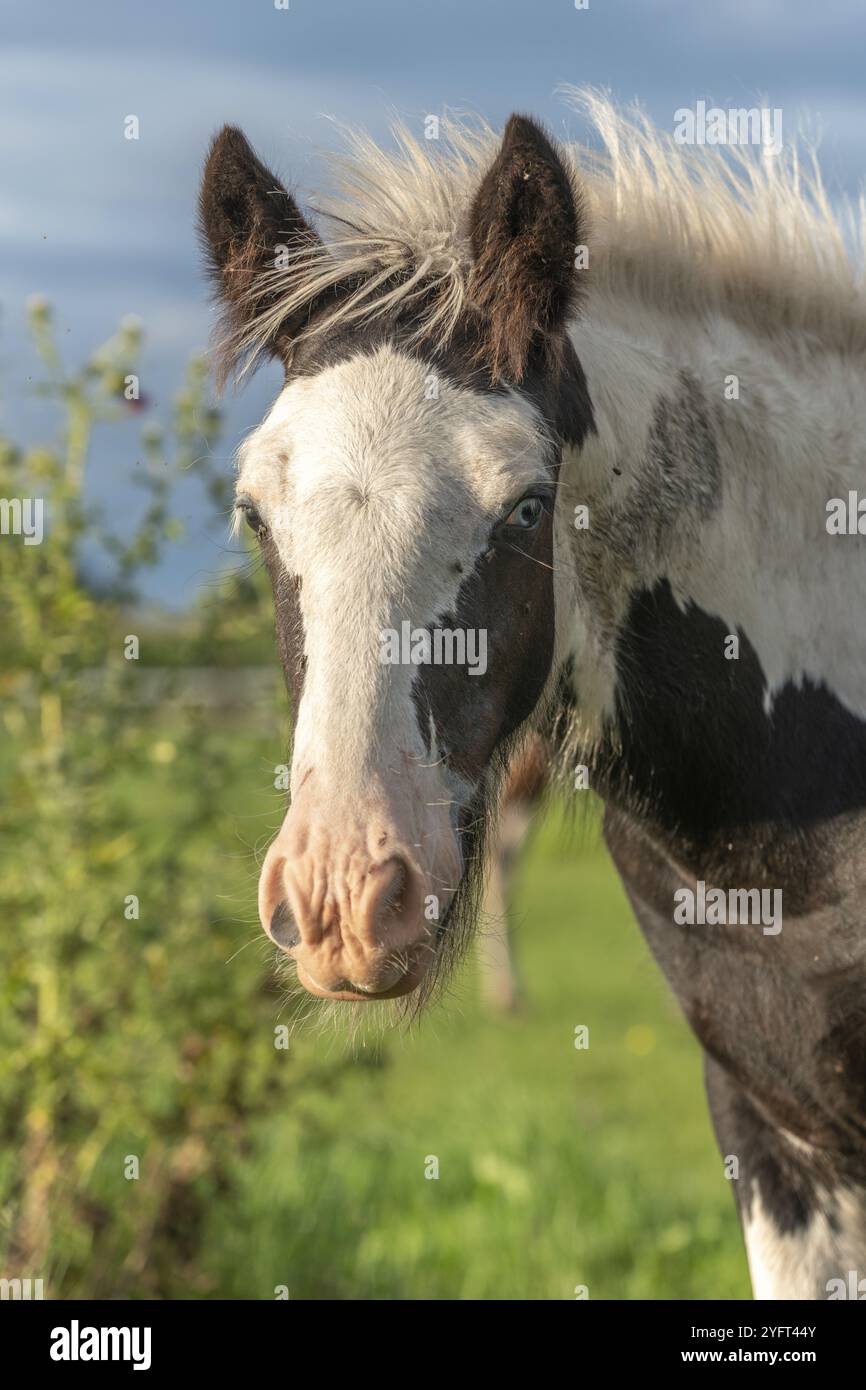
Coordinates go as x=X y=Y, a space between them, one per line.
x=694 y=230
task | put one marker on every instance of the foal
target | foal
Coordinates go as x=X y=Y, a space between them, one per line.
x=523 y=790
x=578 y=420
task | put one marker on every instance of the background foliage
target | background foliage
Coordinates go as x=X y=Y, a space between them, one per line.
x=152 y=1036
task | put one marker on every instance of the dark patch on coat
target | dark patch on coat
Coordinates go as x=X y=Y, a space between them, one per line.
x=683 y=467
x=694 y=747
x=784 y=1177
x=510 y=594
x=680 y=481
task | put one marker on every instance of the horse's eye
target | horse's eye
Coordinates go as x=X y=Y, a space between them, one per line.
x=250 y=515
x=526 y=514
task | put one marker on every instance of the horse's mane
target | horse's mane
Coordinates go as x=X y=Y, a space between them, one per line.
x=693 y=230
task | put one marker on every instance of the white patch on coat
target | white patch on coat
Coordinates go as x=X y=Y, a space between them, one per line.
x=799 y=1264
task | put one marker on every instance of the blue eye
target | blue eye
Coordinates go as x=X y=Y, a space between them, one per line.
x=526 y=514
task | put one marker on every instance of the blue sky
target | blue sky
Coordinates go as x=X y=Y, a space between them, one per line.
x=103 y=226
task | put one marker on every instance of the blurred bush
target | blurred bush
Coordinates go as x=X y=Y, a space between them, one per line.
x=125 y=1038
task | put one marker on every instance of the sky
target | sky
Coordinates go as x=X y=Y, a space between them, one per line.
x=104 y=226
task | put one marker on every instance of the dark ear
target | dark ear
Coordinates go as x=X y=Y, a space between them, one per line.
x=245 y=213
x=525 y=227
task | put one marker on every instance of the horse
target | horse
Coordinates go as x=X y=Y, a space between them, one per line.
x=520 y=804
x=564 y=439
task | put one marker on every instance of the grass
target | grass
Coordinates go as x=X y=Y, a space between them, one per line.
x=557 y=1167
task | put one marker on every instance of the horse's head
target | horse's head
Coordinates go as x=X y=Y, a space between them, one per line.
x=403 y=491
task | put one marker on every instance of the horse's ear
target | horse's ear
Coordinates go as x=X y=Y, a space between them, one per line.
x=526 y=224
x=245 y=215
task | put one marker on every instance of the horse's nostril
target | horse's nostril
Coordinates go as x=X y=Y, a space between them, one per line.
x=283 y=929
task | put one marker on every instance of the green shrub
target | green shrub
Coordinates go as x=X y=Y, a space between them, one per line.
x=125 y=1035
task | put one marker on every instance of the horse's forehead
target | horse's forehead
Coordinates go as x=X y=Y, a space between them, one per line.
x=385 y=419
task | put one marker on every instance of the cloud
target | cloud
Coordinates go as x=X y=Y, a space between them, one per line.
x=71 y=176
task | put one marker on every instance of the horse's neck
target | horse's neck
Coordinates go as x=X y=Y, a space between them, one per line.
x=707 y=486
